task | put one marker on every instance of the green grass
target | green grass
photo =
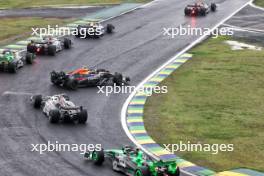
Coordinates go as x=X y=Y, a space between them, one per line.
x=30 y=3
x=215 y=98
x=17 y=28
x=259 y=2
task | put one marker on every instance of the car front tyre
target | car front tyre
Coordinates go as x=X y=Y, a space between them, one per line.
x=12 y=67
x=98 y=157
x=54 y=116
x=82 y=116
x=37 y=101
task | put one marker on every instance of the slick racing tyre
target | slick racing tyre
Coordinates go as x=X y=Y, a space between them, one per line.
x=12 y=67
x=54 y=78
x=72 y=84
x=118 y=79
x=177 y=173
x=203 y=12
x=98 y=157
x=187 y=12
x=52 y=50
x=54 y=116
x=213 y=7
x=82 y=116
x=110 y=28
x=37 y=101
x=143 y=171
x=29 y=58
x=67 y=43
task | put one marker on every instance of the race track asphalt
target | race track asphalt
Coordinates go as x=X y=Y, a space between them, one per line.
x=249 y=17
x=136 y=49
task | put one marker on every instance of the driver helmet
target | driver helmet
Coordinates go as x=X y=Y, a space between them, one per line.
x=6 y=52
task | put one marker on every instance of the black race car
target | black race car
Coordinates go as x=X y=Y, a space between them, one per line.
x=199 y=9
x=93 y=30
x=85 y=77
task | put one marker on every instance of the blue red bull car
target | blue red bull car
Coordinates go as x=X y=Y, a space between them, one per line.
x=85 y=77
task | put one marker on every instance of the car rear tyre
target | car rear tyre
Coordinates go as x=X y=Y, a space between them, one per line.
x=29 y=58
x=213 y=7
x=110 y=28
x=203 y=12
x=143 y=171
x=54 y=77
x=98 y=157
x=118 y=79
x=72 y=84
x=177 y=173
x=83 y=116
x=52 y=50
x=54 y=116
x=37 y=101
x=67 y=43
x=186 y=12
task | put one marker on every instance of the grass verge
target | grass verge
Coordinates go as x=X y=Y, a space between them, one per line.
x=215 y=98
x=11 y=27
x=259 y=3
x=30 y=3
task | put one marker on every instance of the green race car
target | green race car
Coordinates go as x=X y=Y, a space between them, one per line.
x=133 y=162
x=12 y=61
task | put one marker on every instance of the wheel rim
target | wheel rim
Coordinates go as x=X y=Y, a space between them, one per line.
x=95 y=156
x=114 y=165
x=138 y=173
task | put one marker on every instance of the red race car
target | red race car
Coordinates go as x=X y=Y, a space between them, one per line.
x=199 y=9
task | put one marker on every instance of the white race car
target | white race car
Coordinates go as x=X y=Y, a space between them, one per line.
x=60 y=108
x=48 y=45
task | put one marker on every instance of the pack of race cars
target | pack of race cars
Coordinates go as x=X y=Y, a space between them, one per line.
x=58 y=108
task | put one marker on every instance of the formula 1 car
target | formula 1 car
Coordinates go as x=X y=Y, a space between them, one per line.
x=48 y=45
x=93 y=30
x=12 y=61
x=60 y=108
x=133 y=162
x=85 y=77
x=199 y=9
